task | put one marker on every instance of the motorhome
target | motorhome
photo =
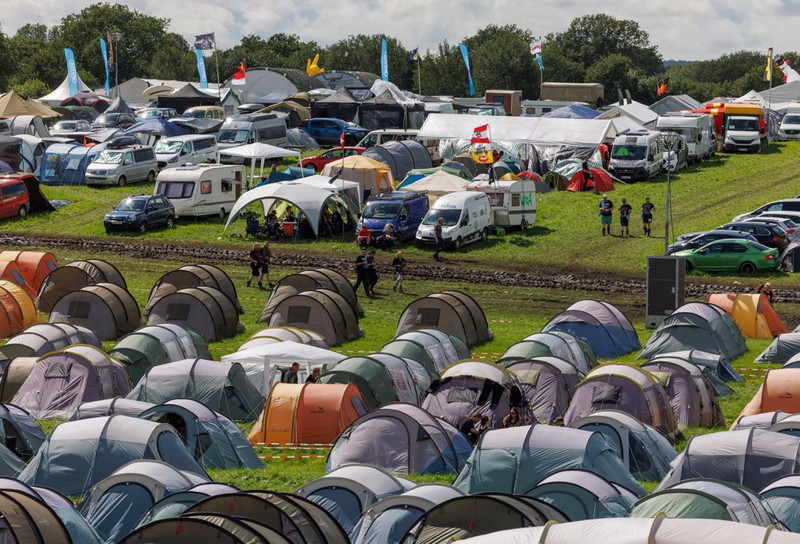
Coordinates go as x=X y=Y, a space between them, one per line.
x=201 y=190
x=745 y=129
x=512 y=203
x=695 y=127
x=183 y=150
x=465 y=219
x=637 y=155
x=267 y=128
x=537 y=108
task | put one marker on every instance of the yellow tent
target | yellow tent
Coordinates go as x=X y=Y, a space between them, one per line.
x=753 y=314
x=373 y=176
x=12 y=104
x=16 y=309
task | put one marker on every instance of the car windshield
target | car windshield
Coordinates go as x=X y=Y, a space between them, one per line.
x=131 y=205
x=110 y=157
x=230 y=136
x=743 y=125
x=382 y=210
x=165 y=146
x=450 y=217
x=629 y=152
x=152 y=114
x=792 y=119
x=109 y=119
x=197 y=114
x=759 y=247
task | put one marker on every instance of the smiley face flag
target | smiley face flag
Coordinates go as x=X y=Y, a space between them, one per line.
x=312 y=68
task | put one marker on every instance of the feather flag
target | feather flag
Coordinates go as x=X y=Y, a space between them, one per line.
x=201 y=68
x=239 y=76
x=104 y=52
x=481 y=145
x=768 y=70
x=72 y=71
x=384 y=61
x=465 y=56
x=111 y=63
x=414 y=55
x=662 y=86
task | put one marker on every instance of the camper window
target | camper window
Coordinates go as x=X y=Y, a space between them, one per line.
x=205 y=187
x=176 y=189
x=227 y=185
x=495 y=199
x=515 y=200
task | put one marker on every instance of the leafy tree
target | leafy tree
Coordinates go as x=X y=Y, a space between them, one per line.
x=501 y=59
x=363 y=53
x=6 y=60
x=615 y=71
x=174 y=60
x=443 y=73
x=32 y=88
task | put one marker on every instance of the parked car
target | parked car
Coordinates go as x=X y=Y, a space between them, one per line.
x=789 y=226
x=785 y=205
x=14 y=198
x=122 y=165
x=741 y=255
x=140 y=213
x=401 y=209
x=66 y=128
x=113 y=120
x=157 y=113
x=764 y=233
x=699 y=239
x=205 y=112
x=327 y=131
x=318 y=162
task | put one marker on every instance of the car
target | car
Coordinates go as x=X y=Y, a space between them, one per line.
x=14 y=198
x=113 y=120
x=205 y=112
x=157 y=113
x=764 y=233
x=699 y=239
x=789 y=226
x=740 y=255
x=328 y=131
x=785 y=205
x=318 y=162
x=70 y=127
x=140 y=213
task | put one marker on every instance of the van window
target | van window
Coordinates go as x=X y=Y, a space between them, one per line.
x=205 y=143
x=176 y=189
x=187 y=147
x=145 y=154
x=128 y=158
x=13 y=189
x=205 y=187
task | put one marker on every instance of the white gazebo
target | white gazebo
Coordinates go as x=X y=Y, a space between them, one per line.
x=258 y=150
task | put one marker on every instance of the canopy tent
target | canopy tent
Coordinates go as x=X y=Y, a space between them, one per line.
x=373 y=176
x=637 y=111
x=12 y=104
x=573 y=111
x=437 y=184
x=260 y=151
x=186 y=97
x=340 y=105
x=752 y=313
x=62 y=91
x=349 y=191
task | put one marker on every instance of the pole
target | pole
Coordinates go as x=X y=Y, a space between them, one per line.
x=419 y=74
x=216 y=59
x=541 y=80
x=116 y=37
x=668 y=206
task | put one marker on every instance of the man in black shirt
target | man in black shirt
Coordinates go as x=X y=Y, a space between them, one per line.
x=314 y=376
x=292 y=375
x=624 y=216
x=647 y=216
x=361 y=271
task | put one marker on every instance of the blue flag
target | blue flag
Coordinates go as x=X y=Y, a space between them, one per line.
x=72 y=71
x=201 y=68
x=104 y=51
x=469 y=72
x=384 y=61
x=414 y=55
x=538 y=59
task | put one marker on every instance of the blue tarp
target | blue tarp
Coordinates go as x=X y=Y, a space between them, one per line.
x=157 y=126
x=575 y=111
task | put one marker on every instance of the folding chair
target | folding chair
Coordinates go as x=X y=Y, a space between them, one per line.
x=289 y=230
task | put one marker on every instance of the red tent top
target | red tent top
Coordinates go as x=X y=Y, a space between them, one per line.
x=602 y=181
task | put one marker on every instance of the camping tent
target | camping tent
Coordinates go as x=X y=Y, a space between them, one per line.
x=437 y=184
x=780 y=390
x=581 y=494
x=34 y=265
x=340 y=105
x=374 y=176
x=13 y=104
x=781 y=350
x=205 y=310
x=192 y=275
x=433 y=348
x=109 y=407
x=555 y=343
x=716 y=368
x=16 y=309
x=752 y=313
x=412 y=441
x=10 y=271
x=221 y=387
x=600 y=324
x=548 y=384
x=177 y=503
x=385 y=111
x=309 y=413
x=320 y=310
x=400 y=156
x=782 y=497
x=43 y=338
x=309 y=280
x=19 y=433
x=71 y=277
x=453 y=312
x=675 y=102
x=764 y=420
x=600 y=181
x=66 y=163
x=376 y=383
x=184 y=98
x=105 y=308
x=273 y=335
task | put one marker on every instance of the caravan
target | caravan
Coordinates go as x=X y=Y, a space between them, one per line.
x=637 y=155
x=205 y=189
x=465 y=217
x=695 y=127
x=512 y=202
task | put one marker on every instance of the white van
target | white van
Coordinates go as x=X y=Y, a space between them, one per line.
x=378 y=137
x=512 y=203
x=203 y=189
x=789 y=128
x=122 y=165
x=466 y=217
x=183 y=150
x=267 y=128
x=695 y=127
x=637 y=155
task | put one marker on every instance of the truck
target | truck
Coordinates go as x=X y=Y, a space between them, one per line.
x=744 y=128
x=696 y=128
x=591 y=93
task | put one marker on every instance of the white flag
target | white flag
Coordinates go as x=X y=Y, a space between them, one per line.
x=536 y=47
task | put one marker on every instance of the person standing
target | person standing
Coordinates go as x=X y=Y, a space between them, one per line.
x=399 y=264
x=293 y=375
x=361 y=271
x=606 y=214
x=587 y=175
x=438 y=241
x=266 y=256
x=372 y=272
x=767 y=291
x=314 y=376
x=647 y=216
x=624 y=216
x=254 y=258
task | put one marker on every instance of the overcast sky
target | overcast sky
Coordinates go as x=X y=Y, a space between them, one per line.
x=696 y=30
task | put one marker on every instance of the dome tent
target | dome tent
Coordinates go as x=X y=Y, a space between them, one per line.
x=10 y=271
x=19 y=432
x=781 y=350
x=205 y=310
x=321 y=310
x=42 y=338
x=600 y=324
x=105 y=308
x=782 y=497
x=716 y=369
x=110 y=407
x=178 y=503
x=374 y=378
x=401 y=156
x=72 y=276
x=434 y=349
x=34 y=265
x=192 y=276
x=16 y=309
x=556 y=343
x=548 y=384
x=780 y=390
x=453 y=312
x=752 y=313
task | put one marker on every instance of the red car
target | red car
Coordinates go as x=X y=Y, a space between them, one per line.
x=318 y=162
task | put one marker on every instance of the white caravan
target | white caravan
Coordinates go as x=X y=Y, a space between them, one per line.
x=203 y=189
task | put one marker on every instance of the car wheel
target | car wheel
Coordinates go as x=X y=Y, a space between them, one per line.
x=151 y=176
x=484 y=235
x=23 y=212
x=122 y=181
x=747 y=268
x=142 y=227
x=221 y=213
x=688 y=266
x=108 y=230
x=170 y=222
x=457 y=244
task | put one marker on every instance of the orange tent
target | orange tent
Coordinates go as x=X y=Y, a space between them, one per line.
x=10 y=271
x=35 y=265
x=310 y=413
x=16 y=309
x=753 y=314
x=780 y=390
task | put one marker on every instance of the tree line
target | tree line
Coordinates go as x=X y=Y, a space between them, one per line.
x=595 y=48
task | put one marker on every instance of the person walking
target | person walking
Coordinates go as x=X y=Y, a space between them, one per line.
x=767 y=291
x=254 y=260
x=266 y=256
x=624 y=217
x=361 y=271
x=647 y=216
x=399 y=264
x=587 y=175
x=438 y=241
x=372 y=272
x=606 y=213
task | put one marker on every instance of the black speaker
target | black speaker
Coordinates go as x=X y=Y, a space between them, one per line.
x=666 y=283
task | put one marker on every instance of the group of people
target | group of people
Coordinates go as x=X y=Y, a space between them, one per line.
x=367 y=271
x=259 y=258
x=293 y=375
x=386 y=240
x=476 y=424
x=606 y=213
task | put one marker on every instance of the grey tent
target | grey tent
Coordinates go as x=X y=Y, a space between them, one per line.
x=784 y=347
x=27 y=518
x=203 y=527
x=19 y=433
x=209 y=436
x=79 y=454
x=453 y=312
x=72 y=276
x=118 y=105
x=187 y=97
x=379 y=380
x=790 y=424
x=308 y=280
x=384 y=111
x=205 y=310
x=177 y=503
x=515 y=459
x=192 y=275
x=557 y=343
x=644 y=450
x=222 y=387
x=677 y=102
x=751 y=457
x=435 y=349
x=14 y=375
x=272 y=335
x=321 y=310
x=602 y=325
x=715 y=368
x=42 y=338
x=581 y=494
x=548 y=384
x=340 y=105
x=117 y=503
x=412 y=442
x=105 y=308
x=782 y=497
x=158 y=345
x=700 y=326
x=401 y=156
x=109 y=407
x=759 y=421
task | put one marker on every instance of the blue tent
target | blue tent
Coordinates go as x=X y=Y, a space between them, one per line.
x=157 y=126
x=65 y=164
x=574 y=111
x=600 y=324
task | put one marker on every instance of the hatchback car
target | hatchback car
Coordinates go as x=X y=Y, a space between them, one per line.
x=743 y=256
x=140 y=213
x=788 y=226
x=699 y=239
x=785 y=205
x=764 y=233
x=318 y=162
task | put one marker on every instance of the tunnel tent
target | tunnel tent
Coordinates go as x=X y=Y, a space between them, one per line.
x=600 y=324
x=752 y=313
x=400 y=156
x=34 y=265
x=105 y=308
x=548 y=384
x=79 y=454
x=66 y=163
x=566 y=346
x=581 y=494
x=201 y=527
x=212 y=439
x=16 y=309
x=452 y=312
x=373 y=379
x=782 y=498
x=177 y=503
x=28 y=518
x=309 y=280
x=781 y=350
x=274 y=335
x=205 y=310
x=192 y=276
x=222 y=388
x=763 y=420
x=790 y=424
x=14 y=375
x=402 y=366
x=116 y=504
x=19 y=433
x=72 y=276
x=321 y=310
x=780 y=390
x=709 y=367
x=10 y=271
x=110 y=407
x=42 y=338
x=424 y=345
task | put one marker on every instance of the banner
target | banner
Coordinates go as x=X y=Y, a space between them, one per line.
x=104 y=51
x=204 y=42
x=768 y=70
x=201 y=68
x=469 y=72
x=384 y=61
x=72 y=71
x=481 y=145
x=111 y=63
x=414 y=55
x=239 y=78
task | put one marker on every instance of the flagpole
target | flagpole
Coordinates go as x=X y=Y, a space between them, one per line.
x=216 y=59
x=419 y=73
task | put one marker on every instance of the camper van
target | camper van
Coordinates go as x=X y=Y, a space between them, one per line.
x=203 y=189
x=122 y=165
x=267 y=128
x=512 y=203
x=466 y=217
x=695 y=127
x=183 y=150
x=637 y=155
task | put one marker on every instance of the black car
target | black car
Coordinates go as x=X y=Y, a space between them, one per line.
x=141 y=212
x=699 y=239
x=114 y=120
x=765 y=233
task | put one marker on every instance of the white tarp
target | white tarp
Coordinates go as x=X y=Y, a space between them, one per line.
x=338 y=185
x=635 y=110
x=439 y=183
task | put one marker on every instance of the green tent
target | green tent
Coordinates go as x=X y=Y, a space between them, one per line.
x=369 y=375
